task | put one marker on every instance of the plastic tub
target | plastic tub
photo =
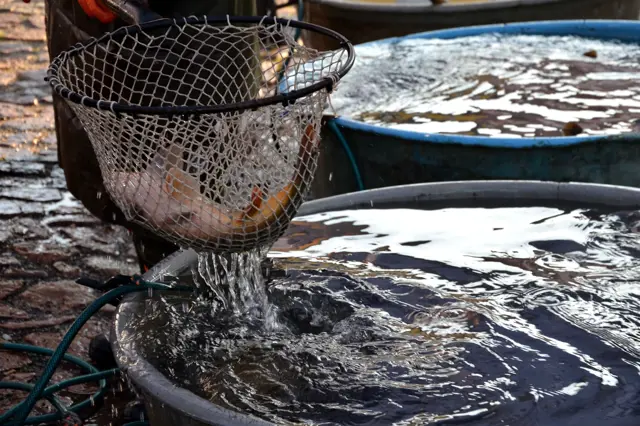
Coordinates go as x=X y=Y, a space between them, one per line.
x=363 y=21
x=386 y=157
x=170 y=405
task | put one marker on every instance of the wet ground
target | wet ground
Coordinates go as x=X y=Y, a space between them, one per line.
x=47 y=239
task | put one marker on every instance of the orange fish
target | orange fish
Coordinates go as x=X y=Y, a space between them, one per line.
x=169 y=200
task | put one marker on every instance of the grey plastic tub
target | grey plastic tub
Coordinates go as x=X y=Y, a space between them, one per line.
x=362 y=21
x=170 y=405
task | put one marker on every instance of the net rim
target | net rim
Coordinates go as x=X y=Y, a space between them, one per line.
x=120 y=108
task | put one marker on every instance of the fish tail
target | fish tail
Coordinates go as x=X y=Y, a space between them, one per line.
x=275 y=206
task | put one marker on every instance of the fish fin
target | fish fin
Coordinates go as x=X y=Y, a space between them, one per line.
x=277 y=205
x=181 y=186
x=255 y=204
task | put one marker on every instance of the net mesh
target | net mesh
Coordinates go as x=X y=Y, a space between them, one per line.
x=222 y=182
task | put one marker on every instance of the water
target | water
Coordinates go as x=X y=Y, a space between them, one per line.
x=495 y=85
x=478 y=316
x=231 y=282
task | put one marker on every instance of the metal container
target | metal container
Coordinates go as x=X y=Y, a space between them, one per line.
x=363 y=21
x=170 y=405
x=386 y=157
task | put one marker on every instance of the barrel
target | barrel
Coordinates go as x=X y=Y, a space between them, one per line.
x=168 y=404
x=362 y=21
x=366 y=156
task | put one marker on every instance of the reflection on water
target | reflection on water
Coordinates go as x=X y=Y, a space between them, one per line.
x=476 y=316
x=495 y=85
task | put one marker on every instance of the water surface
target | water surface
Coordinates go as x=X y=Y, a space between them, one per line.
x=476 y=316
x=495 y=85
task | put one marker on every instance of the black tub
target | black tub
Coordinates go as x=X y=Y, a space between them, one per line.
x=363 y=21
x=168 y=404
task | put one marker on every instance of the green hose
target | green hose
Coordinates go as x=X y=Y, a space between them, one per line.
x=352 y=159
x=19 y=415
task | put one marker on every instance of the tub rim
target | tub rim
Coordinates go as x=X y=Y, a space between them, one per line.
x=622 y=30
x=152 y=382
x=431 y=8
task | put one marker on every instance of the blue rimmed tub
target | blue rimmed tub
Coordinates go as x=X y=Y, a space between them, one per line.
x=356 y=155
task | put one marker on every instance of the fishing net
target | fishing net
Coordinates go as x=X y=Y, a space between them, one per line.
x=206 y=131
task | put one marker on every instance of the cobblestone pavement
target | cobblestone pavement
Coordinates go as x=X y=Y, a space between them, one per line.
x=47 y=239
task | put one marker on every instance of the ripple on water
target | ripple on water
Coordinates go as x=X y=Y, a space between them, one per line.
x=520 y=316
x=495 y=85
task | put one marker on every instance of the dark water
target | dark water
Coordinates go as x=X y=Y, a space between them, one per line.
x=495 y=85
x=498 y=316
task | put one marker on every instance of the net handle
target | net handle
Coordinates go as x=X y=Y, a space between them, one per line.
x=120 y=108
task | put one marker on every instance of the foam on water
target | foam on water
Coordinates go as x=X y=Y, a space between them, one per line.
x=495 y=85
x=480 y=316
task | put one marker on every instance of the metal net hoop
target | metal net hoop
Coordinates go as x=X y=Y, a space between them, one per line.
x=206 y=130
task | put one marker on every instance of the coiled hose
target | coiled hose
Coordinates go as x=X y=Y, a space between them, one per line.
x=19 y=415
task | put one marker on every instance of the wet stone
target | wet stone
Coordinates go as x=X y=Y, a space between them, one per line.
x=80 y=345
x=5 y=235
x=24 y=273
x=9 y=398
x=5 y=77
x=12 y=154
x=22 y=98
x=8 y=259
x=32 y=209
x=9 y=208
x=42 y=253
x=65 y=209
x=8 y=111
x=28 y=228
x=7 y=311
x=71 y=220
x=60 y=296
x=67 y=270
x=13 y=47
x=8 y=182
x=27 y=123
x=52 y=340
x=10 y=20
x=28 y=325
x=96 y=240
x=22 y=168
x=20 y=377
x=11 y=361
x=110 y=266
x=65 y=374
x=8 y=287
x=24 y=34
x=31 y=194
x=21 y=139
x=34 y=75
x=47 y=156
x=50 y=139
